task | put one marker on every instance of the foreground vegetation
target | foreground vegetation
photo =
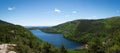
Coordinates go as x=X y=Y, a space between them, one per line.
x=101 y=36
x=77 y=51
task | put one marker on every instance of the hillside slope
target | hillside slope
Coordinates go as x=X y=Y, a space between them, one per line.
x=92 y=32
x=24 y=40
x=79 y=28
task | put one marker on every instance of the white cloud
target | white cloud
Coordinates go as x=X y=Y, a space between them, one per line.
x=11 y=8
x=57 y=10
x=74 y=11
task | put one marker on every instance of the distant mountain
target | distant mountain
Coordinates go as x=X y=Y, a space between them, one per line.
x=101 y=36
x=36 y=27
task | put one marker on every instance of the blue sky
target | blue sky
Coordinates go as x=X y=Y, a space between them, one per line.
x=54 y=12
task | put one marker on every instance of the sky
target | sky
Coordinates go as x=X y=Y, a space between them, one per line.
x=54 y=12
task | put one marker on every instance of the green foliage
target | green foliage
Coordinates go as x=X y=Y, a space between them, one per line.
x=102 y=35
x=95 y=46
x=113 y=49
x=76 y=51
x=26 y=42
x=63 y=49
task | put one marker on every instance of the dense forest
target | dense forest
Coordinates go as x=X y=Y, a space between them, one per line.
x=25 y=41
x=100 y=36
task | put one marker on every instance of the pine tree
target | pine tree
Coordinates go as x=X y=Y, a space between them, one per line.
x=63 y=49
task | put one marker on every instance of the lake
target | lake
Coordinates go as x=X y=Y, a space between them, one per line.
x=55 y=39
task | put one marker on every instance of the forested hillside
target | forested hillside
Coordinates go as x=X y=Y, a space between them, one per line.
x=101 y=36
x=24 y=40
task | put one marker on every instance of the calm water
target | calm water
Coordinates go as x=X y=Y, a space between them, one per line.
x=55 y=39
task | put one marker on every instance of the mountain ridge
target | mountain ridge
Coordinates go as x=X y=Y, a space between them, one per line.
x=93 y=33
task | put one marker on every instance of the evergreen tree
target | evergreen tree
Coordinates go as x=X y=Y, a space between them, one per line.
x=63 y=49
